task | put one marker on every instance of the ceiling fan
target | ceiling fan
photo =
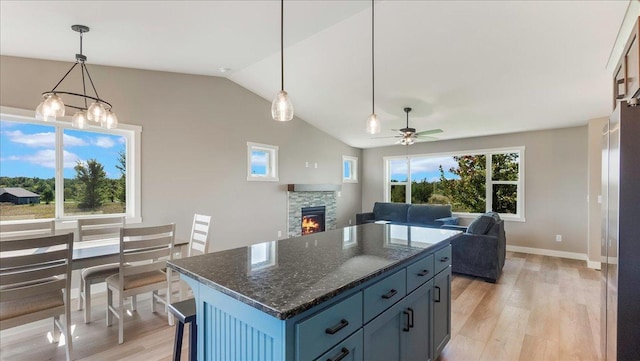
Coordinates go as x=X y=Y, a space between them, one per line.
x=408 y=135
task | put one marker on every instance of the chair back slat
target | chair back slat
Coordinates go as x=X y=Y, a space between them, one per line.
x=145 y=249
x=198 y=244
x=33 y=289
x=23 y=275
x=148 y=254
x=24 y=244
x=28 y=229
x=149 y=231
x=28 y=259
x=100 y=229
x=148 y=242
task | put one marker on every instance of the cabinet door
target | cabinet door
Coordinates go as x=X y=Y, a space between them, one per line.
x=419 y=343
x=383 y=336
x=441 y=311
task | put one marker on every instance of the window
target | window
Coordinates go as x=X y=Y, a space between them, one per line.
x=349 y=169
x=262 y=162
x=472 y=182
x=51 y=170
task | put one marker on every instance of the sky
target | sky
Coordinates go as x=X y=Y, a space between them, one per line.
x=423 y=168
x=28 y=150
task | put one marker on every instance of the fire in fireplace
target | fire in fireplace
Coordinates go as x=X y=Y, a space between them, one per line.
x=313 y=219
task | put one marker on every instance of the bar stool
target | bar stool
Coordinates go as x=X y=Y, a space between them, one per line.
x=185 y=312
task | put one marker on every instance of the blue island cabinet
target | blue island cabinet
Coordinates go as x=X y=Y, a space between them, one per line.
x=368 y=292
x=403 y=316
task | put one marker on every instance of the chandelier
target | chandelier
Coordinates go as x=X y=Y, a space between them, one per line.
x=89 y=109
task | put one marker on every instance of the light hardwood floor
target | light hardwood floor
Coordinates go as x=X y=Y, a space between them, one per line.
x=542 y=308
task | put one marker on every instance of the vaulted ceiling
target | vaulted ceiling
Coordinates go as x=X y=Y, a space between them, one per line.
x=470 y=68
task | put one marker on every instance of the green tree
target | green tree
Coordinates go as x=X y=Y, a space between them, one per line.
x=47 y=195
x=92 y=177
x=505 y=167
x=122 y=167
x=421 y=192
x=468 y=192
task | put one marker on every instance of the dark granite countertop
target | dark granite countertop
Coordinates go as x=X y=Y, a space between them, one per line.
x=286 y=277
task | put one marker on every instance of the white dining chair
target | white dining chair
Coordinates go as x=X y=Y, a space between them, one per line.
x=35 y=283
x=27 y=229
x=97 y=230
x=143 y=255
x=185 y=309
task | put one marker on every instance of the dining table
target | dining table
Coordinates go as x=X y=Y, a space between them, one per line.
x=103 y=254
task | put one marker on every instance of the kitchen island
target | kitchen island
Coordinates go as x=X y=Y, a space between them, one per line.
x=368 y=292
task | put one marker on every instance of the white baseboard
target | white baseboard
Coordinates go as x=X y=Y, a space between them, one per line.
x=553 y=253
x=548 y=252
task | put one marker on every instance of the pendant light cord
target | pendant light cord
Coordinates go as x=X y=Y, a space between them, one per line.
x=282 y=44
x=373 y=73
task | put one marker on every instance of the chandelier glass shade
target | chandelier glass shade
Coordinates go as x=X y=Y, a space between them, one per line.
x=281 y=107
x=373 y=123
x=89 y=108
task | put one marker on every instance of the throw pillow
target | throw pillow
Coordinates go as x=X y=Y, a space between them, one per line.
x=481 y=225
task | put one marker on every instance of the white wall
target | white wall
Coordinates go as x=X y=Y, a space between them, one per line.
x=555 y=183
x=194 y=146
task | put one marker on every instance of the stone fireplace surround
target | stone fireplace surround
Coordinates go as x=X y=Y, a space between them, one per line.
x=310 y=195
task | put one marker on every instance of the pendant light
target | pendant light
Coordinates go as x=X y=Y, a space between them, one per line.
x=281 y=108
x=373 y=124
x=91 y=108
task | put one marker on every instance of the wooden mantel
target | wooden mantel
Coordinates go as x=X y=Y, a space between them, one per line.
x=314 y=187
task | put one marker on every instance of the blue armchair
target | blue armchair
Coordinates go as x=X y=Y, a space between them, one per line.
x=480 y=250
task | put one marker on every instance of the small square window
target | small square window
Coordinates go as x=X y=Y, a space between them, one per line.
x=349 y=169
x=262 y=162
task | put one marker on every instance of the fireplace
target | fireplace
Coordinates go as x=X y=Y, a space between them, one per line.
x=313 y=219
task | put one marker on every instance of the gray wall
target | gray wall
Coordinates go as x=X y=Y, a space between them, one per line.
x=194 y=151
x=555 y=183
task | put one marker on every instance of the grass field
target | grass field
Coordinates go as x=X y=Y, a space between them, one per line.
x=12 y=212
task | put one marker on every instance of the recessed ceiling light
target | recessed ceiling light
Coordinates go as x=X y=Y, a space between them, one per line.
x=224 y=70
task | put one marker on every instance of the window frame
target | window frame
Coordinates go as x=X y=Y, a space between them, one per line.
x=519 y=216
x=132 y=134
x=272 y=168
x=353 y=177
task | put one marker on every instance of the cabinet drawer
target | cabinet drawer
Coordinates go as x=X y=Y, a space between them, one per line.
x=347 y=350
x=442 y=259
x=419 y=272
x=380 y=296
x=328 y=327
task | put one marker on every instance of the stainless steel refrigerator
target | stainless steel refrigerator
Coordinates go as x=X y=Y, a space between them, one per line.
x=620 y=239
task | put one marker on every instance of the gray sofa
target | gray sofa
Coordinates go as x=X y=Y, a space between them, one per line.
x=480 y=250
x=425 y=215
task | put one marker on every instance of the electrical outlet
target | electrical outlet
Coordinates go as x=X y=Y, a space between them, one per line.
x=349 y=222
x=558 y=238
x=279 y=234
x=339 y=194
x=316 y=164
x=306 y=164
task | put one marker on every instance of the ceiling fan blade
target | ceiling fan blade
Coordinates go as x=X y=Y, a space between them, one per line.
x=430 y=131
x=425 y=137
x=390 y=136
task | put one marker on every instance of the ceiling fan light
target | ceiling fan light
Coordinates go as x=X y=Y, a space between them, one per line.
x=282 y=108
x=79 y=119
x=373 y=124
